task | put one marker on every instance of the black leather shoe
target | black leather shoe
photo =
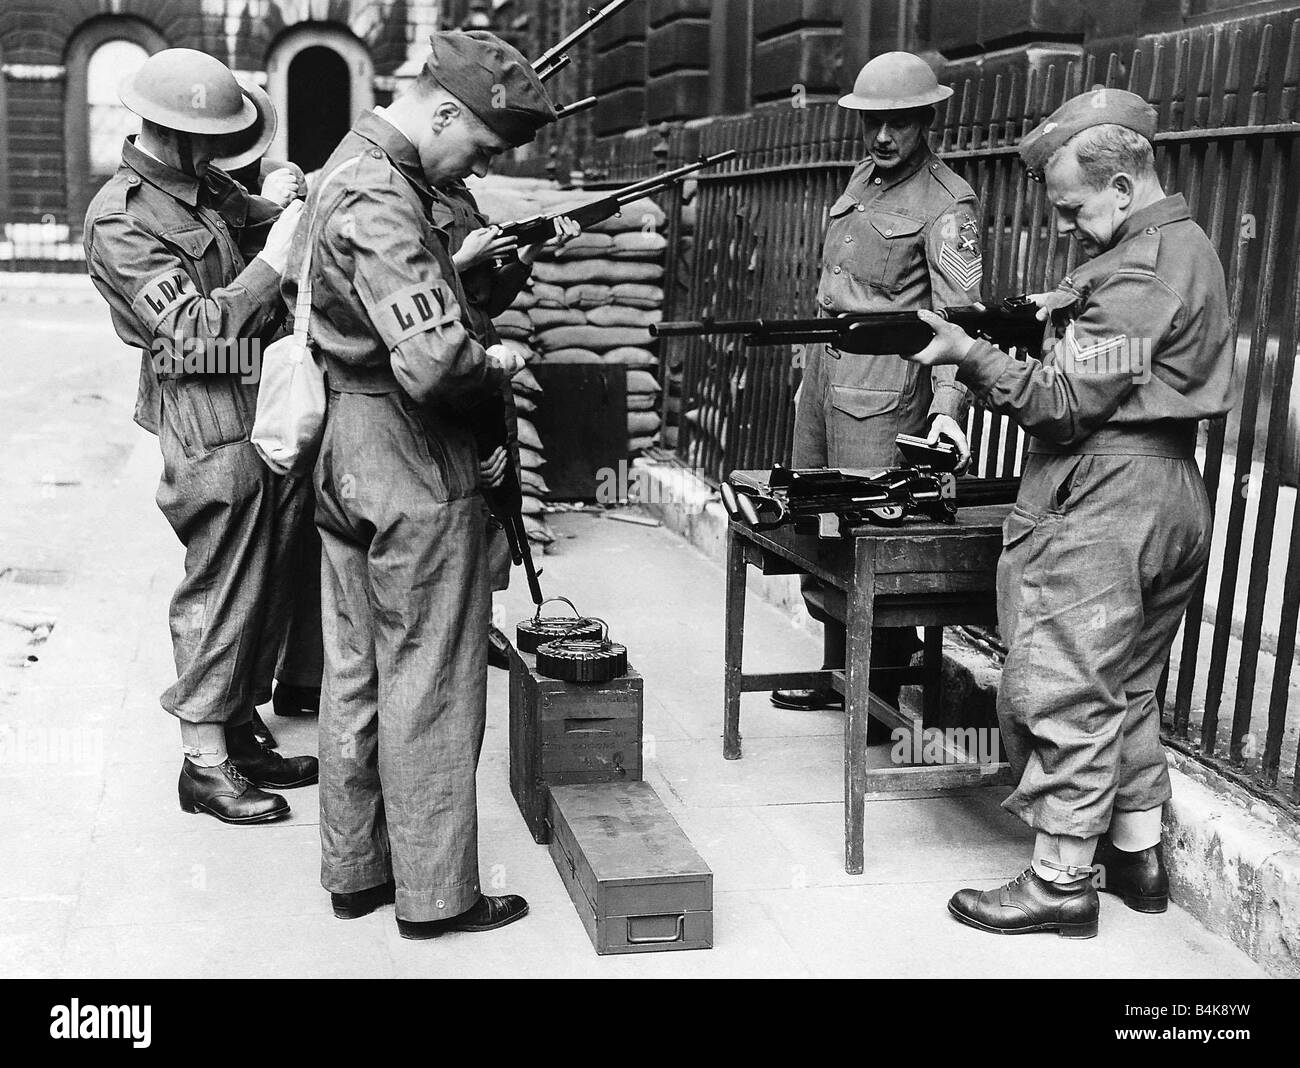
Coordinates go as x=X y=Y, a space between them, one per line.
x=498 y=649
x=813 y=700
x=261 y=731
x=1028 y=904
x=265 y=767
x=808 y=700
x=1139 y=878
x=487 y=914
x=223 y=792
x=291 y=701
x=363 y=902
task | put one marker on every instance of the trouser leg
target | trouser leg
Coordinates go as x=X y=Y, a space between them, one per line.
x=301 y=660
x=353 y=828
x=226 y=507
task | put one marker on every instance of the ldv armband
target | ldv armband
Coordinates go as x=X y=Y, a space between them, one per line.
x=415 y=309
x=161 y=295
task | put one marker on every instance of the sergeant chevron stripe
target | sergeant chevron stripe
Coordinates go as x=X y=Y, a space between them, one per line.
x=966 y=273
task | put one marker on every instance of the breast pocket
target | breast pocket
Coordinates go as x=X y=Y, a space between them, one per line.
x=191 y=240
x=890 y=246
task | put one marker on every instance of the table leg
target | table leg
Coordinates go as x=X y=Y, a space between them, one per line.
x=932 y=666
x=733 y=645
x=860 y=614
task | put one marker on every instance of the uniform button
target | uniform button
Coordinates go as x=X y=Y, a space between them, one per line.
x=862 y=207
x=1150 y=229
x=835 y=270
x=876 y=180
x=133 y=180
x=889 y=233
x=848 y=239
x=379 y=155
x=440 y=903
x=827 y=300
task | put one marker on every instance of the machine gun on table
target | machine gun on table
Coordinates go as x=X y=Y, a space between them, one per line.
x=830 y=503
x=1009 y=323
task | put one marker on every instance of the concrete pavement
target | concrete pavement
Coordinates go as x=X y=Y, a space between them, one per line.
x=104 y=876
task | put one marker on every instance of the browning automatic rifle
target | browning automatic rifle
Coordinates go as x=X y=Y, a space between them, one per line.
x=542 y=227
x=1009 y=323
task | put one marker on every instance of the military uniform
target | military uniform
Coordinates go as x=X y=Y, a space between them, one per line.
x=1111 y=530
x=173 y=256
x=896 y=241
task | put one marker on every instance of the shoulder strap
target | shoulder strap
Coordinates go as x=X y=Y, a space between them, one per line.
x=302 y=309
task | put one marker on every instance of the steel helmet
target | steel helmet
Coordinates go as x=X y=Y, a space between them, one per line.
x=895 y=81
x=183 y=89
x=240 y=149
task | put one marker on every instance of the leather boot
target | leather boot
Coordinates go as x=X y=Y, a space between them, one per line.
x=498 y=649
x=296 y=700
x=223 y=792
x=487 y=914
x=264 y=767
x=1028 y=904
x=261 y=731
x=1139 y=878
x=814 y=700
x=360 y=903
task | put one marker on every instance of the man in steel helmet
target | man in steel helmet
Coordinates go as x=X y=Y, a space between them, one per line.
x=905 y=235
x=190 y=265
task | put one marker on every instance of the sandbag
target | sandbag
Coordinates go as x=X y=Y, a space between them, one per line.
x=532 y=480
x=513 y=324
x=536 y=530
x=610 y=272
x=524 y=352
x=545 y=318
x=639 y=245
x=595 y=338
x=640 y=444
x=642 y=422
x=525 y=382
x=642 y=402
x=571 y=356
x=638 y=295
x=530 y=505
x=524 y=404
x=630 y=355
x=527 y=434
x=549 y=296
x=586 y=245
x=530 y=459
x=642 y=382
x=588 y=295
x=643 y=214
x=524 y=300
x=617 y=315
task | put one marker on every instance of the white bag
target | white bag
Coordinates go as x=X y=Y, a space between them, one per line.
x=290 y=418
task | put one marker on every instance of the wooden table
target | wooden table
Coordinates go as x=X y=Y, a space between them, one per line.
x=921 y=574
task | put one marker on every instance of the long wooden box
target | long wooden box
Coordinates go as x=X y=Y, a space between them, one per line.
x=569 y=732
x=637 y=882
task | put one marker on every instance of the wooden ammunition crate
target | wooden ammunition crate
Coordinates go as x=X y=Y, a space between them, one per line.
x=633 y=875
x=569 y=732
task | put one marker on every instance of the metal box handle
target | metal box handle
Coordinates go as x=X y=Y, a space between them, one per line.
x=648 y=939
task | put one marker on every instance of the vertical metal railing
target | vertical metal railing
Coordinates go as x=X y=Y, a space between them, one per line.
x=1227 y=99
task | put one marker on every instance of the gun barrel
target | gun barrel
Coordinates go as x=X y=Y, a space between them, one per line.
x=554 y=58
x=565 y=110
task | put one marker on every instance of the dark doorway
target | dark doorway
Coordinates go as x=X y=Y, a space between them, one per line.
x=320 y=105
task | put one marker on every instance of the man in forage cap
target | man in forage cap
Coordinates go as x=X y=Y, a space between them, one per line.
x=404 y=580
x=1111 y=529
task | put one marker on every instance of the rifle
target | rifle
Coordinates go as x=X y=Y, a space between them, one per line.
x=1009 y=323
x=554 y=59
x=487 y=421
x=538 y=228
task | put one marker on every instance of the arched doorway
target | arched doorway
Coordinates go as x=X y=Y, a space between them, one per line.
x=320 y=77
x=320 y=105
